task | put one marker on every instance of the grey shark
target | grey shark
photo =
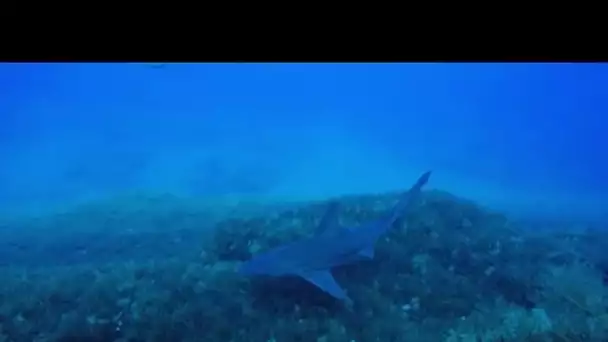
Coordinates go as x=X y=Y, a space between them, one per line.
x=332 y=245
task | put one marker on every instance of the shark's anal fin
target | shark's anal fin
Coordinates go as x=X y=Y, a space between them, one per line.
x=367 y=253
x=326 y=282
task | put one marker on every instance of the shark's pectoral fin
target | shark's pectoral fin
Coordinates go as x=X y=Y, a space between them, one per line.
x=326 y=282
x=367 y=253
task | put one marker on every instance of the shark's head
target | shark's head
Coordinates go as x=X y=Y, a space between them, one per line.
x=263 y=265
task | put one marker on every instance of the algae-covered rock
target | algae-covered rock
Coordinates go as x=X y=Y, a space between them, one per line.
x=449 y=270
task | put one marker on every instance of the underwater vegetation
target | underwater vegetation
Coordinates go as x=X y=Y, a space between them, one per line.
x=155 y=270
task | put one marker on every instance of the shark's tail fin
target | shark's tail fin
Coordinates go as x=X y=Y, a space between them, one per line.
x=330 y=221
x=421 y=182
x=409 y=197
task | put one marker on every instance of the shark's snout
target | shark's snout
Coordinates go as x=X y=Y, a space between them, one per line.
x=263 y=265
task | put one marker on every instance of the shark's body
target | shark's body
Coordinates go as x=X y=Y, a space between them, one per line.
x=331 y=246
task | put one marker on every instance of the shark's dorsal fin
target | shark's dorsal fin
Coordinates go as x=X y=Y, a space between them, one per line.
x=324 y=280
x=330 y=220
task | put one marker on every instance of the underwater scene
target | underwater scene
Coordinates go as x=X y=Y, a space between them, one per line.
x=303 y=202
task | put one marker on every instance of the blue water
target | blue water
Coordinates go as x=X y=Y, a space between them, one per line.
x=523 y=138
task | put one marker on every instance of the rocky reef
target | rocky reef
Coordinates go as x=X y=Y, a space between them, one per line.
x=450 y=270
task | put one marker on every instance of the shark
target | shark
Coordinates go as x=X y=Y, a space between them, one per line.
x=331 y=245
